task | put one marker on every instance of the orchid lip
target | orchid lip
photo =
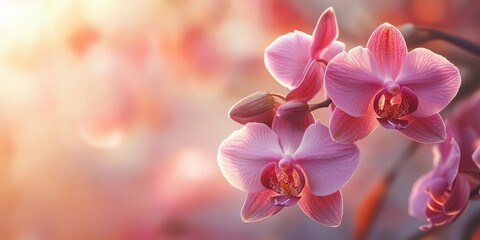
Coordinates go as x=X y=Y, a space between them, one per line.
x=394 y=102
x=284 y=200
x=388 y=105
x=286 y=182
x=393 y=123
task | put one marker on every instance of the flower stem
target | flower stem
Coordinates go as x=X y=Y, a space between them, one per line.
x=278 y=96
x=474 y=191
x=323 y=104
x=416 y=35
x=463 y=43
x=377 y=199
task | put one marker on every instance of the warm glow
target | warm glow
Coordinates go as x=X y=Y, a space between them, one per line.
x=18 y=90
x=193 y=165
x=108 y=139
x=429 y=11
x=22 y=22
x=112 y=113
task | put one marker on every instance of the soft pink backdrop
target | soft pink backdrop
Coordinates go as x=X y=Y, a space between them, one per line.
x=111 y=113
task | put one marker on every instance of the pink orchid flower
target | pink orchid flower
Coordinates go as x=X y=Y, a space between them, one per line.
x=297 y=60
x=294 y=162
x=386 y=84
x=465 y=122
x=441 y=194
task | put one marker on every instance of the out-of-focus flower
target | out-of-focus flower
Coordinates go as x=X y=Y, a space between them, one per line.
x=465 y=122
x=292 y=162
x=82 y=38
x=385 y=84
x=297 y=60
x=476 y=156
x=257 y=107
x=441 y=194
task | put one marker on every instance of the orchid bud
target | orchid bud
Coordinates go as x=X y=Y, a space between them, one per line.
x=413 y=35
x=258 y=107
x=293 y=110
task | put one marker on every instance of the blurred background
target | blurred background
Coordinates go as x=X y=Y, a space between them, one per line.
x=111 y=113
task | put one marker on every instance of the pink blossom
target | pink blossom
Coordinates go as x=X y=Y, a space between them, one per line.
x=386 y=84
x=292 y=162
x=297 y=60
x=465 y=122
x=440 y=195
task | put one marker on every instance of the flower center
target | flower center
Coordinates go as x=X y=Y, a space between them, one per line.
x=392 y=87
x=285 y=163
x=283 y=177
x=394 y=102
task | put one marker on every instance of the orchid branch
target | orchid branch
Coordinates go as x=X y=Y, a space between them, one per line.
x=372 y=206
x=323 y=104
x=417 y=35
x=474 y=191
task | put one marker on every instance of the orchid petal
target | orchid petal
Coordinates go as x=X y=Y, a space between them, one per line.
x=436 y=188
x=425 y=129
x=311 y=83
x=326 y=31
x=352 y=79
x=476 y=157
x=466 y=135
x=441 y=213
x=284 y=200
x=332 y=50
x=446 y=166
x=347 y=129
x=418 y=199
x=257 y=206
x=393 y=123
x=290 y=133
x=244 y=154
x=287 y=56
x=436 y=216
x=328 y=165
x=458 y=197
x=326 y=210
x=389 y=48
x=432 y=77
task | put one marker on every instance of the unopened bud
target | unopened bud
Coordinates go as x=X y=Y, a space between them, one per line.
x=407 y=29
x=413 y=35
x=258 y=107
x=293 y=110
